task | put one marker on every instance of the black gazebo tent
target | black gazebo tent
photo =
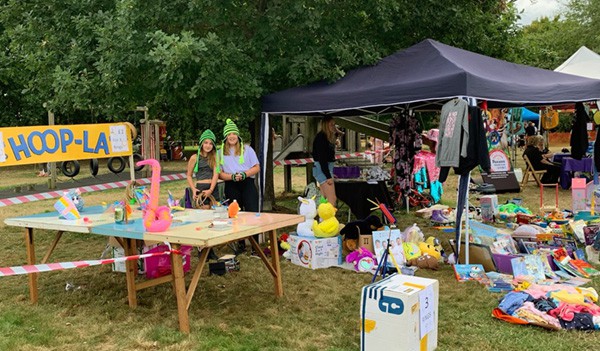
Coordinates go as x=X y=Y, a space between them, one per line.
x=425 y=76
x=430 y=73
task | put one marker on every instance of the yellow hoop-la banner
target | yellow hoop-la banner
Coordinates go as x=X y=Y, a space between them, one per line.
x=40 y=144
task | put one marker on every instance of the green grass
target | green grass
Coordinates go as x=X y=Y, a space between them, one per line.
x=238 y=311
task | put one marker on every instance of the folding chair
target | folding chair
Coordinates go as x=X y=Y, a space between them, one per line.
x=537 y=175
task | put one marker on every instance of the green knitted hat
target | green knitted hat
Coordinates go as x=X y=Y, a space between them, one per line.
x=230 y=127
x=207 y=134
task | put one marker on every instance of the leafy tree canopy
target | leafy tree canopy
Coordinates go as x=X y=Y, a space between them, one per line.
x=196 y=62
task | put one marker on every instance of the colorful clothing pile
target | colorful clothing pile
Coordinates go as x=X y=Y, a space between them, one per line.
x=553 y=307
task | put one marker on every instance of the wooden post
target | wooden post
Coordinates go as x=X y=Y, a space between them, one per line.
x=287 y=178
x=309 y=172
x=52 y=168
x=33 y=287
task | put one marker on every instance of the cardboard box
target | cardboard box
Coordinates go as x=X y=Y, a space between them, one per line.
x=314 y=253
x=489 y=207
x=366 y=241
x=118 y=252
x=399 y=313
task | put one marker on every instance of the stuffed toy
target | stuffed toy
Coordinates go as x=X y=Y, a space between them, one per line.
x=308 y=209
x=352 y=230
x=436 y=245
x=75 y=196
x=427 y=249
x=425 y=261
x=329 y=225
x=363 y=260
x=413 y=234
x=411 y=250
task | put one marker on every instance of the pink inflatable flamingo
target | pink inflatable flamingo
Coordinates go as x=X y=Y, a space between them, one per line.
x=156 y=219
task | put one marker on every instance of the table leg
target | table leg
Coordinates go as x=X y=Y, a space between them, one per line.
x=179 y=283
x=131 y=270
x=194 y=283
x=33 y=286
x=275 y=263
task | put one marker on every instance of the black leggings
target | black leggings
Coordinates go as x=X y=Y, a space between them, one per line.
x=246 y=195
x=244 y=192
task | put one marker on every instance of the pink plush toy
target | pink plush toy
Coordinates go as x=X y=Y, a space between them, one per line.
x=363 y=260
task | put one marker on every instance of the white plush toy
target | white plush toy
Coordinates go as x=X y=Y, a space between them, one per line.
x=308 y=209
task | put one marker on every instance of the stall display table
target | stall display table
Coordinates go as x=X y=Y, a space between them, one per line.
x=190 y=227
x=570 y=165
x=356 y=192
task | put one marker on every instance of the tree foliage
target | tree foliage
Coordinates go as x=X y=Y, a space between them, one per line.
x=196 y=62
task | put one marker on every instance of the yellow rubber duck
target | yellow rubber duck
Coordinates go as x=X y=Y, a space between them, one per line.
x=329 y=225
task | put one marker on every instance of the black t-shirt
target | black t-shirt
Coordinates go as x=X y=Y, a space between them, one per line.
x=535 y=156
x=323 y=152
x=530 y=130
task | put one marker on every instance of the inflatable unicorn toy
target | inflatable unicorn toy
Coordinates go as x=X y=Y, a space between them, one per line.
x=308 y=209
x=156 y=218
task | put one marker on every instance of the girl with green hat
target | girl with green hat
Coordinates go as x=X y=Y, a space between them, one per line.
x=201 y=173
x=238 y=166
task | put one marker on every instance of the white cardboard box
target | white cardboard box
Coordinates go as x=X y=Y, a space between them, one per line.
x=399 y=313
x=313 y=253
x=118 y=252
x=489 y=207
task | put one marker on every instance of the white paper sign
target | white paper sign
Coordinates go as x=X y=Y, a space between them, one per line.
x=118 y=139
x=426 y=310
x=2 y=153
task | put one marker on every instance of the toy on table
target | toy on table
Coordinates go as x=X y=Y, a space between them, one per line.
x=308 y=209
x=329 y=225
x=156 y=218
x=66 y=208
x=233 y=209
x=363 y=260
x=75 y=196
x=174 y=204
x=353 y=230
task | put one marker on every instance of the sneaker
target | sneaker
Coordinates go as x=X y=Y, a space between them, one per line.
x=438 y=217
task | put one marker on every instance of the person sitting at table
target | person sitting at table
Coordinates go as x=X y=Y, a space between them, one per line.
x=201 y=167
x=540 y=160
x=239 y=165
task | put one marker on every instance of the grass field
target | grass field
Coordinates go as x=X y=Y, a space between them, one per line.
x=238 y=311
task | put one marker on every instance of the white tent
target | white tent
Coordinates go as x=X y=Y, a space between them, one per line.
x=584 y=62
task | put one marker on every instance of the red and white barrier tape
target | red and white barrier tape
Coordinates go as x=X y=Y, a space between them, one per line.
x=84 y=189
x=38 y=268
x=303 y=161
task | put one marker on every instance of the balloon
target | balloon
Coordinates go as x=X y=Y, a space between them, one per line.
x=157 y=218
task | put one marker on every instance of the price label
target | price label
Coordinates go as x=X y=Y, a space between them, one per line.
x=426 y=311
x=118 y=139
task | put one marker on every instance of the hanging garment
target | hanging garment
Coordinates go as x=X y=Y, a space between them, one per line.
x=428 y=158
x=579 y=136
x=420 y=178
x=454 y=133
x=405 y=137
x=477 y=151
